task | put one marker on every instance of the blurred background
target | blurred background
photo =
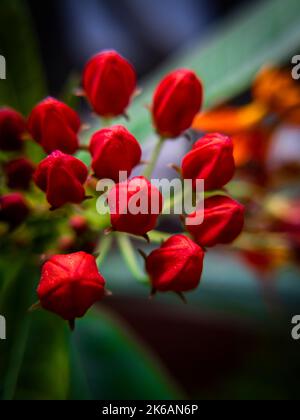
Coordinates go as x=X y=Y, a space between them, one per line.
x=146 y=32
x=233 y=339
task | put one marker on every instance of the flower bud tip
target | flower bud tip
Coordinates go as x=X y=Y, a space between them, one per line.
x=175 y=167
x=79 y=92
x=152 y=293
x=72 y=324
x=182 y=297
x=143 y=254
x=35 y=307
x=146 y=236
x=108 y=231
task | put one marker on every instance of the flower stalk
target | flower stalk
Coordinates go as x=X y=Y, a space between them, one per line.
x=128 y=254
x=154 y=158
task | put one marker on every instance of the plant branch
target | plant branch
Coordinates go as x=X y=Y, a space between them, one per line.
x=155 y=237
x=154 y=157
x=129 y=256
x=103 y=248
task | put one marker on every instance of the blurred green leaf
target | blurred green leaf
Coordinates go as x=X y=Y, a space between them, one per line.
x=34 y=352
x=45 y=372
x=14 y=301
x=34 y=151
x=24 y=84
x=67 y=94
x=109 y=363
x=228 y=287
x=84 y=156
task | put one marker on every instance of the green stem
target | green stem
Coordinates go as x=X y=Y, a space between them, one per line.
x=103 y=248
x=129 y=256
x=106 y=122
x=208 y=194
x=155 y=155
x=155 y=237
x=84 y=147
x=170 y=204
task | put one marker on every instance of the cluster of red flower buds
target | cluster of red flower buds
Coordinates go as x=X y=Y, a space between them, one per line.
x=71 y=283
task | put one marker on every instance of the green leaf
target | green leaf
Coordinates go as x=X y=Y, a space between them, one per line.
x=24 y=84
x=67 y=94
x=228 y=286
x=84 y=156
x=45 y=371
x=36 y=346
x=109 y=363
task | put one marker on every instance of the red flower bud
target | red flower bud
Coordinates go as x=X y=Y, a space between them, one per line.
x=135 y=206
x=176 y=266
x=70 y=285
x=55 y=126
x=177 y=100
x=66 y=244
x=113 y=150
x=13 y=209
x=12 y=130
x=223 y=221
x=19 y=173
x=109 y=82
x=79 y=224
x=61 y=177
x=211 y=159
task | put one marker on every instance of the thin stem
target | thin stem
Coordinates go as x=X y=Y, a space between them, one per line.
x=84 y=147
x=129 y=256
x=155 y=155
x=173 y=201
x=155 y=237
x=158 y=237
x=106 y=122
x=208 y=194
x=103 y=248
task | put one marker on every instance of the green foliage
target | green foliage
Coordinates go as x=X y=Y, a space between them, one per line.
x=45 y=372
x=24 y=84
x=35 y=349
x=109 y=363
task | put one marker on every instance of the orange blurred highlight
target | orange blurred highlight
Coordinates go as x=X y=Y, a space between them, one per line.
x=251 y=145
x=231 y=120
x=279 y=92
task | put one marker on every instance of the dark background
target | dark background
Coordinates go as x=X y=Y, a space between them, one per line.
x=144 y=31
